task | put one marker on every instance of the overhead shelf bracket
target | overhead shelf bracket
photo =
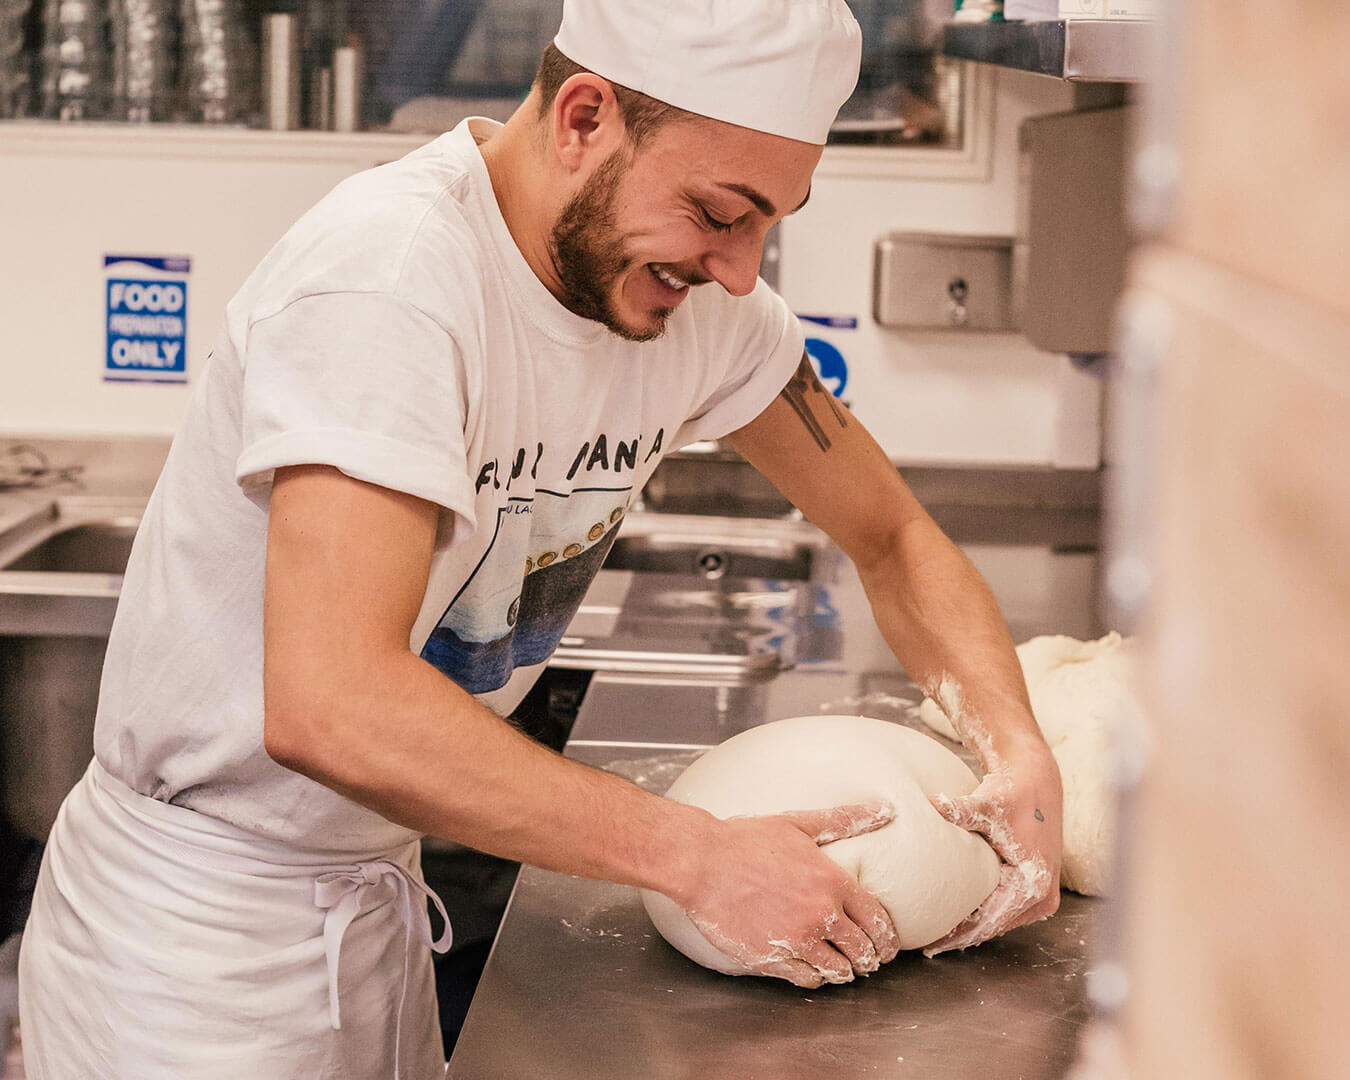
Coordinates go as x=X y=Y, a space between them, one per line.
x=1079 y=50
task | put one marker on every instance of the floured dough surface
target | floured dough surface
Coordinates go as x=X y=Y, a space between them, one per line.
x=1078 y=689
x=928 y=873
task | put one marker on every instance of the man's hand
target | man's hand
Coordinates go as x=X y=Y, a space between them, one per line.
x=1018 y=807
x=770 y=900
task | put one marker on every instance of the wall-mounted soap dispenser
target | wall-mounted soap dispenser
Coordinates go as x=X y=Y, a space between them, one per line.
x=929 y=281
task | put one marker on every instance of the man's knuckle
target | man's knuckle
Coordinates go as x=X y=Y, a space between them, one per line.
x=822 y=912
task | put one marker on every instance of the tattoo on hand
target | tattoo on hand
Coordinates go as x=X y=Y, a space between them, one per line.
x=1039 y=816
x=798 y=393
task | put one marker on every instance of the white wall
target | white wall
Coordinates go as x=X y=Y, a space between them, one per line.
x=951 y=397
x=70 y=195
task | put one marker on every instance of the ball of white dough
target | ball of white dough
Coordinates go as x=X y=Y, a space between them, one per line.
x=928 y=873
x=1078 y=689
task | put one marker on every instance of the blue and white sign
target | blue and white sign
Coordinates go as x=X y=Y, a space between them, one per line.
x=830 y=365
x=826 y=356
x=146 y=299
x=832 y=322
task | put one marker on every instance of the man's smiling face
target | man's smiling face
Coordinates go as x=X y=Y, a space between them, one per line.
x=690 y=206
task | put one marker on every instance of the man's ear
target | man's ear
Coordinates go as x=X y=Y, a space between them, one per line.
x=587 y=122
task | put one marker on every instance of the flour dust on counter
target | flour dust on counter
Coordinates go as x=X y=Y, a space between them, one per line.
x=927 y=873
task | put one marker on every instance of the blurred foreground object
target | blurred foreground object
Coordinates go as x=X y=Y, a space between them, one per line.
x=1239 y=318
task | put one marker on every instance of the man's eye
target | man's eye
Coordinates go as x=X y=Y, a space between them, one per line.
x=715 y=224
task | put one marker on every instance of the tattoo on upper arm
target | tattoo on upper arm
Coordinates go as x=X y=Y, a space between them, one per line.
x=798 y=393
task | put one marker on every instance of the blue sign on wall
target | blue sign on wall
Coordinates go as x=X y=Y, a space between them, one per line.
x=829 y=364
x=826 y=355
x=146 y=298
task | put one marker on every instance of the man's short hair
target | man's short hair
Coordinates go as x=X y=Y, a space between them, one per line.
x=642 y=115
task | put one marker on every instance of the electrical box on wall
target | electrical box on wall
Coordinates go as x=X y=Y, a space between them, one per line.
x=927 y=281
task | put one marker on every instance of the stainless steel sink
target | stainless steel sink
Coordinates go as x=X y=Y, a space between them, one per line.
x=780 y=559
x=698 y=595
x=61 y=569
x=715 y=547
x=96 y=547
x=60 y=576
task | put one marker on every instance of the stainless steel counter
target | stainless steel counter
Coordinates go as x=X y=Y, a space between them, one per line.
x=579 y=985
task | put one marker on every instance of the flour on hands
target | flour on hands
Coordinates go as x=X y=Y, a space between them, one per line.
x=928 y=874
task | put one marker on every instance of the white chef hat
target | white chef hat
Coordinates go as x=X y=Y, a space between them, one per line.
x=781 y=66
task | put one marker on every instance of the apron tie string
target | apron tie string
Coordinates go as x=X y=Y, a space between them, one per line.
x=340 y=894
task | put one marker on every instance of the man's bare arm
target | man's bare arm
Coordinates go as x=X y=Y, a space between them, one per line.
x=941 y=621
x=348 y=704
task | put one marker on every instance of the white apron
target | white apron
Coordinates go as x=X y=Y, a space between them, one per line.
x=166 y=944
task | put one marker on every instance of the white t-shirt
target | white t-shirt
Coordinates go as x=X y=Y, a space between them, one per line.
x=397 y=333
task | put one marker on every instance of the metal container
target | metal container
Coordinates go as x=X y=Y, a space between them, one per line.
x=219 y=63
x=13 y=61
x=75 y=83
x=347 y=76
x=281 y=72
x=142 y=59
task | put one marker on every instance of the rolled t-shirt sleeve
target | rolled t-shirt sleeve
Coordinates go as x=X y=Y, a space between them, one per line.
x=365 y=382
x=761 y=343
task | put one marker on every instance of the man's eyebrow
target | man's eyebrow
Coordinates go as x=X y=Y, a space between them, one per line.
x=763 y=205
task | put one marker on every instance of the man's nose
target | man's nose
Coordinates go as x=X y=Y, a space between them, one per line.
x=734 y=264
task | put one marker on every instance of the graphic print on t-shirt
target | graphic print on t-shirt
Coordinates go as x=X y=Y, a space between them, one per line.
x=518 y=602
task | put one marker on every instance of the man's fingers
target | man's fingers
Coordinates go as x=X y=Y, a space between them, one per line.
x=994 y=924
x=867 y=913
x=972 y=932
x=946 y=806
x=817 y=925
x=840 y=822
x=857 y=948
x=1044 y=909
x=833 y=965
x=965 y=812
x=998 y=913
x=958 y=933
x=797 y=972
x=990 y=920
x=974 y=814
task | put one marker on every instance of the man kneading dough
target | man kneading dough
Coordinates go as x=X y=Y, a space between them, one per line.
x=412 y=446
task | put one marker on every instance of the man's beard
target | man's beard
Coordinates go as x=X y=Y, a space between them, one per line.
x=589 y=254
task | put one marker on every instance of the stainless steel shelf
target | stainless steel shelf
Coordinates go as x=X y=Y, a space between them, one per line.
x=1079 y=50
